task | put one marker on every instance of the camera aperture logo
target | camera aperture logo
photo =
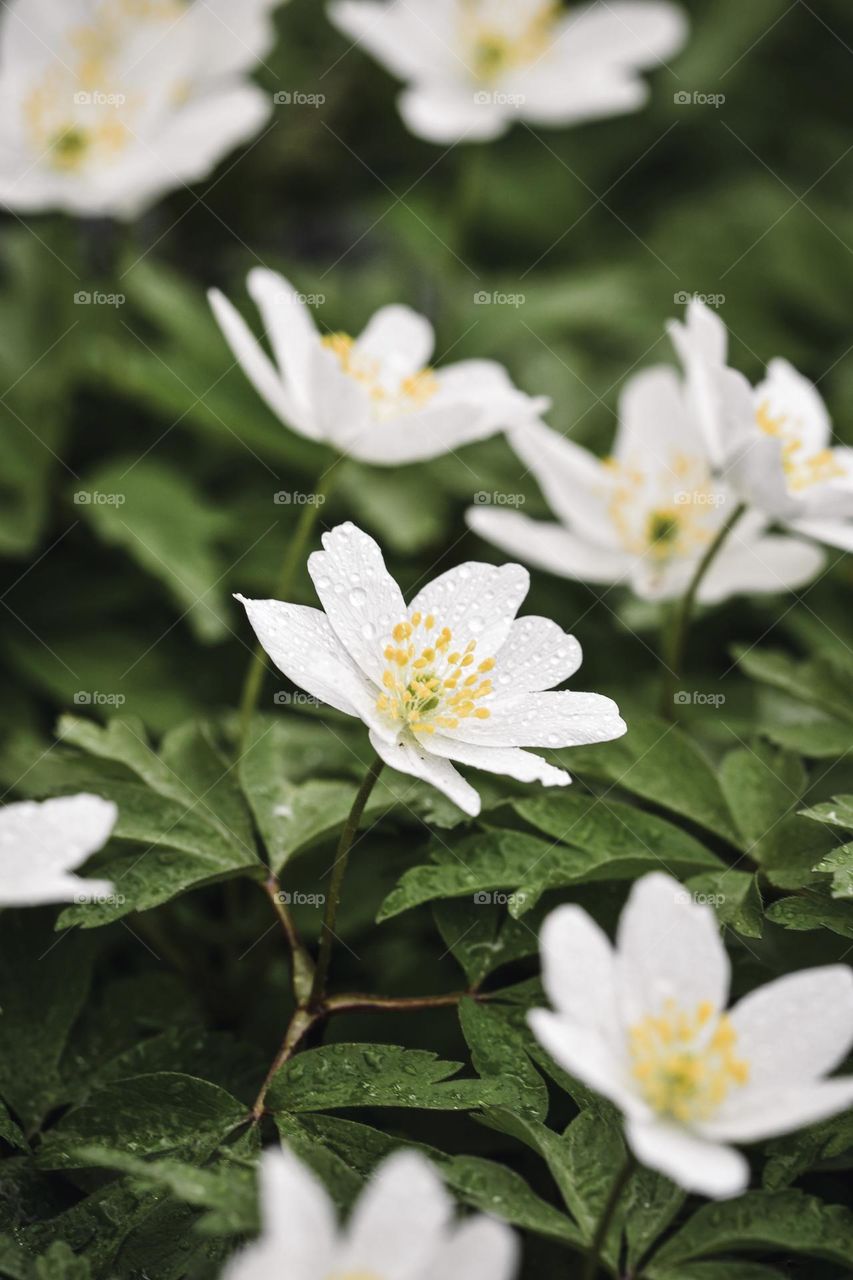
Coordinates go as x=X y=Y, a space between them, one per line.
x=695 y=698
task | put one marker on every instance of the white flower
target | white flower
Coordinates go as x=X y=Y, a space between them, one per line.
x=41 y=844
x=374 y=397
x=452 y=676
x=473 y=66
x=108 y=104
x=645 y=1025
x=774 y=442
x=402 y=1228
x=647 y=514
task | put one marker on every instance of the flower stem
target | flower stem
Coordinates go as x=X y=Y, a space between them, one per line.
x=294 y=554
x=599 y=1240
x=327 y=935
x=674 y=650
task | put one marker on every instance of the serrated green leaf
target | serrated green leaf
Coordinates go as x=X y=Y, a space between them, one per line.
x=736 y=898
x=785 y=1221
x=819 y=681
x=378 y=1075
x=839 y=864
x=813 y=911
x=837 y=812
x=498 y=1050
x=482 y=937
x=794 y=1154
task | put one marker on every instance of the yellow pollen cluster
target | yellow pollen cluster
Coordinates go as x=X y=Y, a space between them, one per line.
x=429 y=684
x=802 y=470
x=410 y=392
x=495 y=51
x=675 y=528
x=685 y=1063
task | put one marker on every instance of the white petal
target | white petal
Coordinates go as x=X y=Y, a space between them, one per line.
x=289 y=326
x=341 y=406
x=561 y=719
x=399 y=1222
x=399 y=340
x=361 y=599
x=537 y=654
x=696 y=1165
x=486 y=385
x=640 y=33
x=415 y=437
x=719 y=397
x=40 y=844
x=524 y=766
x=655 y=425
x=447 y=114
x=579 y=970
x=302 y=644
x=669 y=947
x=833 y=533
x=788 y=394
x=576 y=484
x=407 y=756
x=409 y=45
x=585 y=1054
x=769 y=564
x=796 y=1028
x=548 y=546
x=476 y=601
x=255 y=363
x=479 y=1249
x=752 y=1115
x=298 y=1224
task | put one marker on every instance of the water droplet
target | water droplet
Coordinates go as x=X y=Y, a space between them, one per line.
x=358 y=597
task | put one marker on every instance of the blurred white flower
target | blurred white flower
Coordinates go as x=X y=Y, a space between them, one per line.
x=374 y=397
x=646 y=515
x=645 y=1024
x=402 y=1228
x=474 y=66
x=41 y=844
x=108 y=104
x=774 y=442
x=452 y=676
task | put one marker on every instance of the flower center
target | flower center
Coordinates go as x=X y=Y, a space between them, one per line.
x=429 y=683
x=685 y=1063
x=678 y=524
x=802 y=469
x=390 y=395
x=500 y=39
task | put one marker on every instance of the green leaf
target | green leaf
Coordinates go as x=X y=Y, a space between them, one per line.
x=498 y=1051
x=44 y=981
x=482 y=937
x=155 y=513
x=813 y=911
x=736 y=898
x=781 y=1222
x=390 y=503
x=658 y=762
x=160 y=1114
x=378 y=1075
x=717 y=1271
x=523 y=864
x=61 y=1263
x=839 y=864
x=185 y=811
x=793 y=1155
x=820 y=681
x=837 y=812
